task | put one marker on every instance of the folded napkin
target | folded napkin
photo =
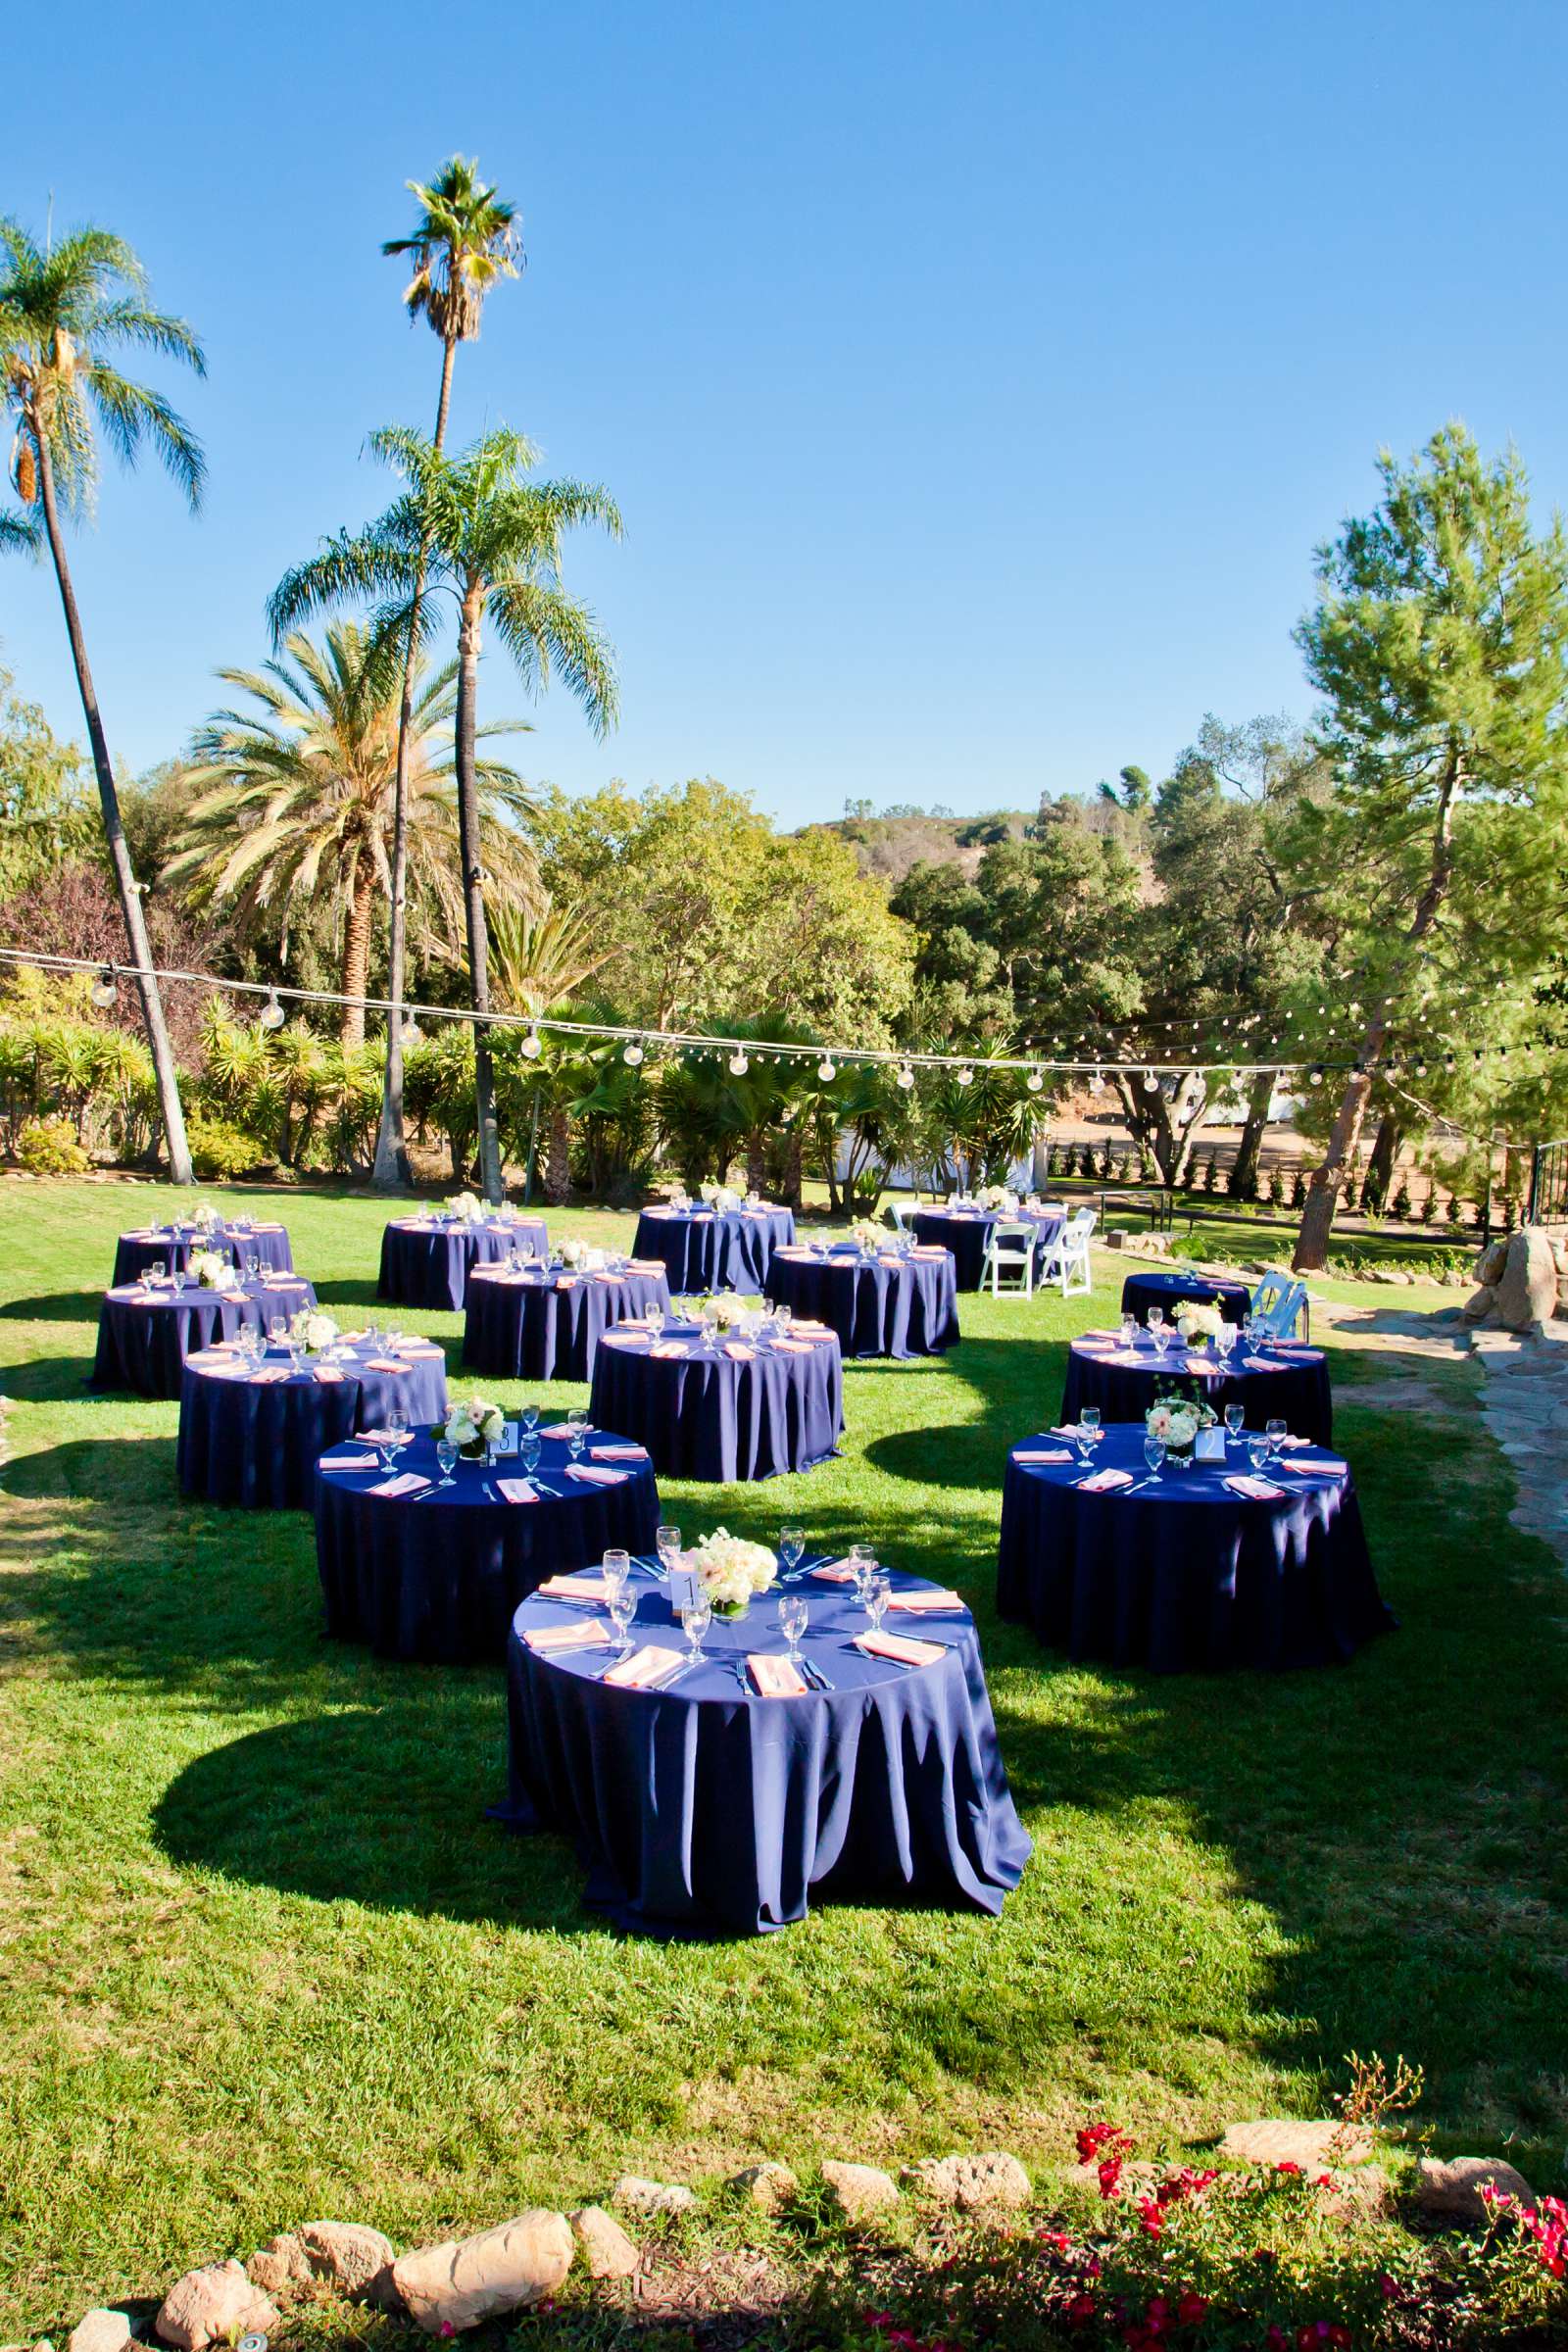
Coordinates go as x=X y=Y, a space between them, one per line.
x=796 y=1347
x=929 y=1250
x=702 y=1216
x=384 y=1363
x=1295 y=1443
x=619 y=1453
x=348 y=1461
x=918 y=1602
x=281 y=1281
x=566 y=1281
x=545 y=1638
x=327 y=1373
x=417 y=1350
x=646 y=1265
x=775 y=1678
x=270 y=1227
x=573 y=1588
x=266 y=1374
x=1255 y=1489
x=833 y=1572
x=1261 y=1363
x=901 y=1648
x=668 y=1350
x=517 y=1490
x=590 y=1474
x=646 y=1668
x=373 y=1437
x=1105 y=1481
x=738 y=1351
x=352 y=1339
x=1327 y=1468
x=1099 y=1335
x=400 y=1489
x=889 y=1262
x=811 y=1327
x=1037 y=1454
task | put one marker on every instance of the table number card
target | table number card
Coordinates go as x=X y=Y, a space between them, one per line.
x=685 y=1589
x=1210 y=1445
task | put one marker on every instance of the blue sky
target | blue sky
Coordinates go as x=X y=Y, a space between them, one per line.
x=975 y=380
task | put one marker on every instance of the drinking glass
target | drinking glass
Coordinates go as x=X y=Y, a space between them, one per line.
x=1161 y=1338
x=622 y=1609
x=1276 y=1432
x=1235 y=1420
x=863 y=1567
x=577 y=1431
x=790 y=1548
x=158 y=1269
x=878 y=1592
x=1156 y=1318
x=707 y=1325
x=528 y=1415
x=1225 y=1342
x=528 y=1452
x=783 y=1316
x=1089 y=1418
x=525 y=1253
x=180 y=1280
x=666 y=1544
x=277 y=1330
x=1082 y=1444
x=253 y=1265
x=145 y=1278
x=1153 y=1455
x=446 y=1453
x=1129 y=1331
x=655 y=1320
x=616 y=1568
x=514 y=1261
x=696 y=1617
x=794 y=1614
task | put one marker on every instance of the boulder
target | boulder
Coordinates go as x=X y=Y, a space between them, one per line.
x=634 y=2195
x=1481 y=1306
x=279 y=2265
x=356 y=2260
x=971 y=2183
x=1448 y=2189
x=857 y=2190
x=1527 y=1288
x=214 y=2304
x=1285 y=2140
x=450 y=2287
x=1489 y=1264
x=100 y=2332
x=606 y=2251
x=769 y=2187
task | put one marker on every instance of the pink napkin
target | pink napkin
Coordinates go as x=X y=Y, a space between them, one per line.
x=796 y=1347
x=327 y=1373
x=646 y=1265
x=415 y=1351
x=384 y=1363
x=589 y=1474
x=1261 y=1363
x=670 y=1349
x=645 y=1668
x=1328 y=1468
x=267 y=1375
x=918 y=1601
x=834 y=1572
x=566 y=1281
x=1099 y=1335
x=347 y=1461
x=573 y=1588
x=352 y=1339
x=739 y=1352
x=902 y=1649
x=775 y=1678
x=1255 y=1490
x=811 y=1327
x=400 y=1489
x=544 y=1638
x=929 y=1251
x=1295 y=1443
x=619 y=1453
x=1105 y=1481
x=517 y=1490
x=1042 y=1453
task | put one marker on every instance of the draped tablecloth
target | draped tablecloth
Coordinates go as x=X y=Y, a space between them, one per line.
x=1141 y=1291
x=440 y=1577
x=145 y=1336
x=738 y=1409
x=548 y=1326
x=267 y=1242
x=254 y=1441
x=966 y=1231
x=425 y=1263
x=882 y=1306
x=709 y=1249
x=1286 y=1380
x=1180 y=1574
x=707 y=1810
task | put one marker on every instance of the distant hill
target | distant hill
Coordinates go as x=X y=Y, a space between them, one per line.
x=888 y=846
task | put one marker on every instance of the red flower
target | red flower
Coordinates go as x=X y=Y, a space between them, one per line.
x=1288 y=2167
x=1340 y=2337
x=1092 y=2138
x=1081 y=2309
x=1176 y=2188
x=1389 y=2288
x=1152 y=2219
x=1325 y=2181
x=1109 y=2174
x=1057 y=2238
x=1276 y=2340
x=1191 y=2309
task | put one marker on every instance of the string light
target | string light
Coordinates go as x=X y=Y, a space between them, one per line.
x=104 y=991
x=738 y=1064
x=1035 y=1082
x=906 y=1076
x=531 y=1047
x=413 y=1034
x=965 y=1076
x=632 y=1053
x=271 y=1016
x=826 y=1069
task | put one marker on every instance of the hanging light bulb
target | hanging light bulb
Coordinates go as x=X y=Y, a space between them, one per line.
x=738 y=1064
x=531 y=1048
x=1314 y=1077
x=906 y=1076
x=413 y=1034
x=632 y=1053
x=1150 y=1083
x=1420 y=1069
x=826 y=1069
x=271 y=1016
x=1035 y=1082
x=104 y=991
x=1096 y=1084
x=965 y=1076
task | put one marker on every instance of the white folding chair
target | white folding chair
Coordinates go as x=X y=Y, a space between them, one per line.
x=1280 y=1303
x=1067 y=1257
x=897 y=1216
x=1010 y=1252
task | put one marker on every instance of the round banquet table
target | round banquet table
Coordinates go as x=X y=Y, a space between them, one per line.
x=1283 y=1380
x=882 y=1306
x=738 y=1409
x=547 y=1326
x=1141 y=1291
x=1180 y=1574
x=251 y=1434
x=426 y=1263
x=136 y=1252
x=966 y=1231
x=145 y=1336
x=709 y=1249
x=704 y=1810
x=440 y=1575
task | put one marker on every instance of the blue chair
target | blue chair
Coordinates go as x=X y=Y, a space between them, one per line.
x=1279 y=1304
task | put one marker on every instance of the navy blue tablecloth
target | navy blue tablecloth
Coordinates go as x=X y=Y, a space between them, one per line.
x=878 y=1307
x=548 y=1326
x=441 y=1580
x=256 y=1442
x=704 y=1810
x=1268 y=1383
x=427 y=1264
x=144 y=1337
x=704 y=1250
x=1182 y=1575
x=1141 y=1291
x=136 y=1252
x=712 y=1415
x=966 y=1232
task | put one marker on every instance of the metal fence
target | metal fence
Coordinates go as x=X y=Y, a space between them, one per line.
x=1549 y=1184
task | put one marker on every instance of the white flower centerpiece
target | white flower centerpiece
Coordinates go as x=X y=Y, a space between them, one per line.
x=204 y=1216
x=722 y=1199
x=867 y=1236
x=731 y=1571
x=211 y=1268
x=1198 y=1322
x=466 y=1209
x=313 y=1330
x=474 y=1427
x=726 y=1310
x=997 y=1198
x=1176 y=1421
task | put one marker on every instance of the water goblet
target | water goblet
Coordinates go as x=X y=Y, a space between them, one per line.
x=622 y=1609
x=1089 y=1419
x=514 y=1261
x=1276 y=1432
x=528 y=1415
x=1235 y=1420
x=1129 y=1331
x=666 y=1544
x=794 y=1615
x=696 y=1616
x=783 y=1316
x=577 y=1431
x=655 y=1320
x=1153 y=1455
x=1225 y=1342
x=878 y=1592
x=1156 y=1318
x=525 y=1255
x=396 y=1427
x=179 y=1280
x=862 y=1566
x=616 y=1568
x=158 y=1269
x=791 y=1548
x=1257 y=1450
x=1160 y=1335
x=446 y=1453
x=528 y=1452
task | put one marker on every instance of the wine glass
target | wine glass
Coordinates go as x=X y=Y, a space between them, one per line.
x=179 y=1280
x=791 y=1548
x=1276 y=1432
x=528 y=1452
x=616 y=1569
x=1129 y=1331
x=655 y=1319
x=523 y=1254
x=1235 y=1420
x=158 y=1269
x=862 y=1566
x=528 y=1415
x=577 y=1431
x=1257 y=1449
x=253 y=1265
x=1159 y=1332
x=794 y=1614
x=446 y=1453
x=514 y=1261
x=622 y=1609
x=276 y=1331
x=1225 y=1342
x=666 y=1544
x=783 y=1316
x=1153 y=1454
x=696 y=1616
x=1156 y=1318
x=397 y=1421
x=878 y=1592
x=1089 y=1418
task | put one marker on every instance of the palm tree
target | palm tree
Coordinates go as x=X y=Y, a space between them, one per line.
x=464 y=241
x=63 y=311
x=295 y=804
x=538 y=963
x=476 y=528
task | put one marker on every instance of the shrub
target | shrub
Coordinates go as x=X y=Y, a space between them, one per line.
x=49 y=1148
x=218 y=1151
x=1399 y=1205
x=1264 y=1194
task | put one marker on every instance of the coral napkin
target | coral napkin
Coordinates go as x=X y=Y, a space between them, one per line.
x=901 y=1648
x=575 y=1587
x=267 y=1374
x=808 y=1324
x=1105 y=1481
x=328 y=1373
x=1261 y=1363
x=928 y=1252
x=401 y=1488
x=590 y=1474
x=646 y=1668
x=517 y=1490
x=545 y=1638
x=834 y=1572
x=668 y=1348
x=739 y=1352
x=619 y=1453
x=383 y=1363
x=939 y=1601
x=775 y=1678
x=1042 y=1453
x=646 y=1265
x=1255 y=1490
x=347 y=1461
x=796 y=1347
x=417 y=1350
x=1328 y=1468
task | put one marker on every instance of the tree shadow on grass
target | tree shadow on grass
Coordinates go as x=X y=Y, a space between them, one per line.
x=1019 y=1390
x=58 y=1306
x=55 y=1380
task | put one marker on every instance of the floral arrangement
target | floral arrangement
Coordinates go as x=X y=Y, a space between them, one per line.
x=467 y=1207
x=313 y=1330
x=1196 y=1320
x=997 y=1196
x=725 y=1309
x=867 y=1233
x=473 y=1426
x=722 y=1197
x=730 y=1570
x=1177 y=1420
x=671 y=1191
x=211 y=1268
x=204 y=1216
x=573 y=1254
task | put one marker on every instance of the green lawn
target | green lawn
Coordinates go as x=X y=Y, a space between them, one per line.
x=262 y=1957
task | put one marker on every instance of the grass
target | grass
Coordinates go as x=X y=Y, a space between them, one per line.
x=262 y=1957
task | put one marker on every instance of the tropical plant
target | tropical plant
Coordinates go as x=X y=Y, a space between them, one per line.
x=65 y=311
x=463 y=242
x=477 y=530
x=295 y=802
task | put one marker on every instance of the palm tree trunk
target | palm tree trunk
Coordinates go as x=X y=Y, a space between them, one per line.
x=356 y=949
x=152 y=1003
x=391 y=1173
x=484 y=1085
x=1249 y=1152
x=558 y=1159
